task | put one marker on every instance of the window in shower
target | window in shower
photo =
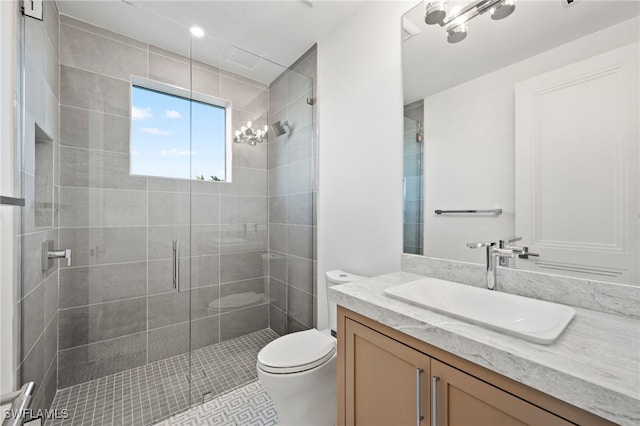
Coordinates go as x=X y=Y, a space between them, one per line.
x=179 y=134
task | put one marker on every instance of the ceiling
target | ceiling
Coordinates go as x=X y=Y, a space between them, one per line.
x=431 y=64
x=251 y=38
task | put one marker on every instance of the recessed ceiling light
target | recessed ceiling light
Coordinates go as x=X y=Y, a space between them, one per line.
x=196 y=31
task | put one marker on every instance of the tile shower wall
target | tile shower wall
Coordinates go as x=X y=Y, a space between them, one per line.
x=118 y=309
x=412 y=177
x=38 y=290
x=292 y=225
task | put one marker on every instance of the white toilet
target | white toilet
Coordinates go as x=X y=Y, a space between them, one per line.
x=298 y=370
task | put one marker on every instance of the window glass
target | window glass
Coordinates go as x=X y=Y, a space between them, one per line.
x=172 y=136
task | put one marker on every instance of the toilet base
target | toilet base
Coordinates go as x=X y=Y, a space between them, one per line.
x=307 y=398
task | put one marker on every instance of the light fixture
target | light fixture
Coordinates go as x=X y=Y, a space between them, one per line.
x=196 y=31
x=247 y=134
x=503 y=9
x=457 y=33
x=435 y=12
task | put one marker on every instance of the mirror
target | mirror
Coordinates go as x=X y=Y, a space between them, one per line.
x=529 y=126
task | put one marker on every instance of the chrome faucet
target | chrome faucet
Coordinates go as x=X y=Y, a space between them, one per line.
x=493 y=255
x=522 y=252
x=500 y=256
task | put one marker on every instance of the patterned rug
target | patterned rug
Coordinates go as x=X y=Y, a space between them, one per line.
x=248 y=405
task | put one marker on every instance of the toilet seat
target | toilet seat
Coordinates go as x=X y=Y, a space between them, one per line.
x=296 y=352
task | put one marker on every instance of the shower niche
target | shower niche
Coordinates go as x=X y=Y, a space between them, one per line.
x=43 y=179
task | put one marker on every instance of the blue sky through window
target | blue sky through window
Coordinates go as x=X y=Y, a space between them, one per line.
x=165 y=142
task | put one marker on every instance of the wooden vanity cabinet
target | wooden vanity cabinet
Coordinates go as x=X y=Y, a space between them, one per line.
x=388 y=378
x=387 y=383
x=463 y=400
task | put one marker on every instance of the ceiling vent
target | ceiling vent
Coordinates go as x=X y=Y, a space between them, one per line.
x=567 y=3
x=242 y=57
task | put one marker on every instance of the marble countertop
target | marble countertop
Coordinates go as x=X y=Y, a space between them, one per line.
x=594 y=364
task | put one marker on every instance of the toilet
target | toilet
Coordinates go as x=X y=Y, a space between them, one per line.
x=298 y=370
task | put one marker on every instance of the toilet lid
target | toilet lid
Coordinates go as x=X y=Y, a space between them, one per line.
x=297 y=352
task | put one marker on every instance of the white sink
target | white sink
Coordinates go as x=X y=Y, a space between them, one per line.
x=531 y=319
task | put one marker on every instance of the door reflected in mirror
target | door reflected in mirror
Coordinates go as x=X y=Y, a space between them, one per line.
x=536 y=116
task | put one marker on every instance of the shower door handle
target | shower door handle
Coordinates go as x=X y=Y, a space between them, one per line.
x=176 y=266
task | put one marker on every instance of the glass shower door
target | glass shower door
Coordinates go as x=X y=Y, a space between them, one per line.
x=104 y=296
x=412 y=201
x=229 y=304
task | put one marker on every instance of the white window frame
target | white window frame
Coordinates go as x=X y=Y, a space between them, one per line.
x=199 y=97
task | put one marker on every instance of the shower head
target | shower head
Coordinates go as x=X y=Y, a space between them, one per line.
x=280 y=129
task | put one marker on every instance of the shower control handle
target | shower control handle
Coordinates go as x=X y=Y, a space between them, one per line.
x=61 y=254
x=48 y=254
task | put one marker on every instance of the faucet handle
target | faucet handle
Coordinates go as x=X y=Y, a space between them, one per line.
x=507 y=241
x=480 y=245
x=526 y=253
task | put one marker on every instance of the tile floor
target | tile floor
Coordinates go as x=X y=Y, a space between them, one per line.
x=248 y=405
x=145 y=395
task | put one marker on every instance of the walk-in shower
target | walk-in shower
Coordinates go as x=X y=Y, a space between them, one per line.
x=188 y=252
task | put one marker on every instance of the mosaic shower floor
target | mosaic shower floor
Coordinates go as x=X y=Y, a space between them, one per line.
x=145 y=395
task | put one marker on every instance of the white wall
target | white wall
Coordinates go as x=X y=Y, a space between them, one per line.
x=360 y=110
x=7 y=293
x=469 y=147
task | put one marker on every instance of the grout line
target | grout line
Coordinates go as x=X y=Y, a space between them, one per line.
x=87 y=30
x=95 y=343
x=92 y=110
x=95 y=403
x=76 y=67
x=105 y=303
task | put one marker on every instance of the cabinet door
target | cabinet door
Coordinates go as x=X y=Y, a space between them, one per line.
x=463 y=400
x=386 y=381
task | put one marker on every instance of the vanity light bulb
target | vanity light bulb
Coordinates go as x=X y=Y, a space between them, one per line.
x=249 y=124
x=266 y=129
x=457 y=34
x=435 y=12
x=503 y=9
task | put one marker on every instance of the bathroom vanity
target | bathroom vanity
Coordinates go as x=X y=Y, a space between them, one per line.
x=403 y=364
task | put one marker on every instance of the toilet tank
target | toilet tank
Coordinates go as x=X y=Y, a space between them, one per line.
x=337 y=277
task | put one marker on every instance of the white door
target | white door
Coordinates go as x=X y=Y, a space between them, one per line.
x=577 y=162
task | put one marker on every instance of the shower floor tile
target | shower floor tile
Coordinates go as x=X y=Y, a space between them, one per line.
x=145 y=395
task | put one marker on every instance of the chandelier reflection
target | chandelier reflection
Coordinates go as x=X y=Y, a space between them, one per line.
x=247 y=134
